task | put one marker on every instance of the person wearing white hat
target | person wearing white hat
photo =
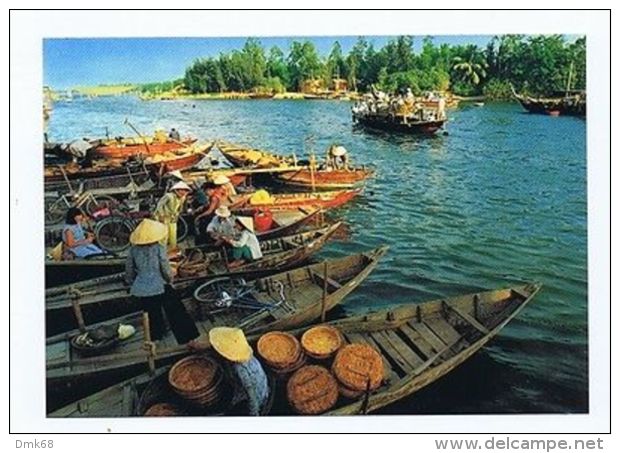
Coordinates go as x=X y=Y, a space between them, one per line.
x=247 y=247
x=169 y=208
x=230 y=344
x=216 y=196
x=337 y=158
x=224 y=182
x=147 y=271
x=222 y=225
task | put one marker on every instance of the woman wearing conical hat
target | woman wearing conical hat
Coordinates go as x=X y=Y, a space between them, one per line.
x=148 y=270
x=169 y=208
x=246 y=248
x=230 y=343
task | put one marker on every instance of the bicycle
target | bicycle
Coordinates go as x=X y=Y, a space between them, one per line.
x=112 y=233
x=56 y=206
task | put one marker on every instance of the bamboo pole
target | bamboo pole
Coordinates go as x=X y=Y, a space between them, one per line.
x=77 y=310
x=312 y=169
x=146 y=325
x=146 y=145
x=324 y=298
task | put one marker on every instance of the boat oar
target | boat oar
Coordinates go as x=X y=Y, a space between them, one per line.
x=146 y=145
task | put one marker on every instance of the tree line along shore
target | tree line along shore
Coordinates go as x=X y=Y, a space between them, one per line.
x=535 y=65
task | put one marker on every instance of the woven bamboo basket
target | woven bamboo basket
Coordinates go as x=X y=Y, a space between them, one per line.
x=346 y=392
x=279 y=350
x=321 y=342
x=164 y=410
x=312 y=390
x=197 y=379
x=356 y=364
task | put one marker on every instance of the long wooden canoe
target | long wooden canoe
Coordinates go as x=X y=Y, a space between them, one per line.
x=178 y=160
x=108 y=297
x=307 y=294
x=419 y=343
x=125 y=149
x=299 y=175
x=324 y=200
x=285 y=223
x=325 y=179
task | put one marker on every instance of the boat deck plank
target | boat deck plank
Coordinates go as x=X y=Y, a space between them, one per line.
x=443 y=330
x=428 y=335
x=424 y=346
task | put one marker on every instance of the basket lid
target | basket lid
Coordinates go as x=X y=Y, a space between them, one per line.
x=321 y=340
x=312 y=390
x=356 y=364
x=279 y=349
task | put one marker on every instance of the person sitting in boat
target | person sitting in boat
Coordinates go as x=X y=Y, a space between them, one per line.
x=337 y=158
x=174 y=135
x=169 y=208
x=148 y=270
x=77 y=243
x=247 y=247
x=222 y=225
x=231 y=345
x=215 y=197
x=227 y=187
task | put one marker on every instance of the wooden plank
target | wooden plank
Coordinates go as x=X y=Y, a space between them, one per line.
x=428 y=335
x=443 y=330
x=386 y=346
x=467 y=317
x=424 y=346
x=127 y=401
x=412 y=358
x=434 y=358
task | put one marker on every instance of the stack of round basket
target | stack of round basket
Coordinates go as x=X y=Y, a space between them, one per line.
x=164 y=410
x=358 y=367
x=281 y=352
x=321 y=342
x=197 y=379
x=312 y=390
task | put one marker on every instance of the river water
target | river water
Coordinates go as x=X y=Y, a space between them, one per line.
x=499 y=200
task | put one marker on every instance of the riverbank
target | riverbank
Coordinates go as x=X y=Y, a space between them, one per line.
x=232 y=95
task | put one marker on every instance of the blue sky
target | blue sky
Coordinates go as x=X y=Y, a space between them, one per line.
x=72 y=62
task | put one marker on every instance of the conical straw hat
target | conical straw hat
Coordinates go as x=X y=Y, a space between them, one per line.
x=339 y=151
x=148 y=232
x=181 y=186
x=177 y=174
x=247 y=222
x=221 y=180
x=230 y=343
x=223 y=212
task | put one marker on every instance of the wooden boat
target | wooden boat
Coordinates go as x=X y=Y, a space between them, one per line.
x=124 y=149
x=288 y=170
x=419 y=343
x=135 y=174
x=108 y=296
x=571 y=103
x=261 y=95
x=245 y=157
x=323 y=200
x=398 y=123
x=159 y=163
x=285 y=222
x=308 y=291
x=325 y=179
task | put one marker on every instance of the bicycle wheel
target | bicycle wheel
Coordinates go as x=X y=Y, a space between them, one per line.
x=113 y=233
x=55 y=209
x=99 y=202
x=182 y=229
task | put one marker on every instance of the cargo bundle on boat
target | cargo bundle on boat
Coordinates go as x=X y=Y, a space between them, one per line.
x=282 y=301
x=382 y=357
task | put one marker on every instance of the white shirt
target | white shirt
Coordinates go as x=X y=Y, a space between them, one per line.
x=251 y=241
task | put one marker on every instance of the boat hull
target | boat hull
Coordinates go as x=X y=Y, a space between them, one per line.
x=385 y=124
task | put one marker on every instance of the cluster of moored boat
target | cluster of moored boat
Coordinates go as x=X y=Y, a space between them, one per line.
x=280 y=294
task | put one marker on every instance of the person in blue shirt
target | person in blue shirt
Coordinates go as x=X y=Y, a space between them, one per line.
x=148 y=271
x=78 y=243
x=231 y=344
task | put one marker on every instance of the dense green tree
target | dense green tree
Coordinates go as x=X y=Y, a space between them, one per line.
x=538 y=65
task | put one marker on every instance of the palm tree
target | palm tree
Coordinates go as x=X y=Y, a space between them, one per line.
x=471 y=67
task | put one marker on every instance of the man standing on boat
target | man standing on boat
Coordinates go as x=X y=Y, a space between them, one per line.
x=169 y=208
